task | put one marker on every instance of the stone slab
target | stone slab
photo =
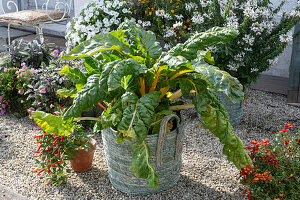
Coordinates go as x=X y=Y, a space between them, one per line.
x=275 y=84
x=14 y=33
x=8 y=194
x=58 y=41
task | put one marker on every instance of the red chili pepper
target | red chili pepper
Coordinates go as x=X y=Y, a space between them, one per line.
x=62 y=138
x=39 y=147
x=40 y=142
x=54 y=113
x=57 y=162
x=101 y=106
x=36 y=151
x=54 y=143
x=60 y=108
x=58 y=152
x=40 y=172
x=38 y=136
x=50 y=151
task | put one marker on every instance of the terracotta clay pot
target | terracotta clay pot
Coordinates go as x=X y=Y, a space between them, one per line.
x=84 y=161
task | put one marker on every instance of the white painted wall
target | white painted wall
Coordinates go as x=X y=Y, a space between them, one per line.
x=79 y=4
x=282 y=67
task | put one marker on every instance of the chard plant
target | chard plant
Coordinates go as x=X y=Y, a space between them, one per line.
x=127 y=70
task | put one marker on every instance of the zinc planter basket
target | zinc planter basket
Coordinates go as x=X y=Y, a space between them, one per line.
x=166 y=151
x=235 y=110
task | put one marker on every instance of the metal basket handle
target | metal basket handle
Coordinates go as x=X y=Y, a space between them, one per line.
x=162 y=132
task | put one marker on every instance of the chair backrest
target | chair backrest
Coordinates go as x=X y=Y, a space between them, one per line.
x=47 y=5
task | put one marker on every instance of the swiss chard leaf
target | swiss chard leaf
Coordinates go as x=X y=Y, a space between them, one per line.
x=106 y=42
x=144 y=41
x=217 y=121
x=201 y=40
x=75 y=75
x=141 y=166
x=138 y=115
x=67 y=92
x=53 y=124
x=221 y=80
x=121 y=70
x=85 y=99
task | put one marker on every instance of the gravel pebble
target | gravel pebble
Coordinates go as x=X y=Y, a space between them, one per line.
x=206 y=174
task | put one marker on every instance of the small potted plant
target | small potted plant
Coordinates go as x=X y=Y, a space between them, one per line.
x=55 y=148
x=127 y=70
x=275 y=174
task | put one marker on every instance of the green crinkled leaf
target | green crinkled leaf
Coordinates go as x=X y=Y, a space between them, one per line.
x=92 y=65
x=173 y=62
x=88 y=97
x=67 y=92
x=113 y=40
x=145 y=41
x=201 y=40
x=75 y=75
x=53 y=124
x=139 y=114
x=221 y=80
x=140 y=164
x=121 y=69
x=217 y=121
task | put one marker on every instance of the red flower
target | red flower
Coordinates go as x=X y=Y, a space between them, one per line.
x=269 y=151
x=255 y=143
x=287 y=126
x=246 y=170
x=265 y=142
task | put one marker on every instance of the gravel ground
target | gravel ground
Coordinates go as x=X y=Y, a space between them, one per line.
x=205 y=174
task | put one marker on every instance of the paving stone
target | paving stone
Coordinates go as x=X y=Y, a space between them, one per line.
x=8 y=194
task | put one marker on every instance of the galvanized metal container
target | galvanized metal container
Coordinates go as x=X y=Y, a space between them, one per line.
x=166 y=151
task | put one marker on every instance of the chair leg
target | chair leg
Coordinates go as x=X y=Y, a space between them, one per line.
x=8 y=33
x=39 y=32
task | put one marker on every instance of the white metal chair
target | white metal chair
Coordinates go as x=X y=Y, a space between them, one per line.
x=37 y=17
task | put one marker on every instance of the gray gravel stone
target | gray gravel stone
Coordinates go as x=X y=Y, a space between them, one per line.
x=206 y=174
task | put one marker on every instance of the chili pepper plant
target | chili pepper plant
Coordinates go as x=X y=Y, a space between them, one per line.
x=54 y=150
x=276 y=171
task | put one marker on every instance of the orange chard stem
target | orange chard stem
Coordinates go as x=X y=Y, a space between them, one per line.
x=155 y=80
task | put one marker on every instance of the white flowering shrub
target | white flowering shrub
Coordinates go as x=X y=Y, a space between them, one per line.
x=265 y=29
x=97 y=17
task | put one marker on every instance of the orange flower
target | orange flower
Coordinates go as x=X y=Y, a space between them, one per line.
x=280 y=194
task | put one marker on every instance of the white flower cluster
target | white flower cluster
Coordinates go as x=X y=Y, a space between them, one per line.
x=97 y=17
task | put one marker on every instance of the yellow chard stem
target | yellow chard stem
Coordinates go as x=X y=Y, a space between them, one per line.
x=142 y=86
x=180 y=73
x=86 y=119
x=181 y=107
x=164 y=91
x=175 y=95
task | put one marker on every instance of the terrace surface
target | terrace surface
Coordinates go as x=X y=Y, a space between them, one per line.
x=205 y=174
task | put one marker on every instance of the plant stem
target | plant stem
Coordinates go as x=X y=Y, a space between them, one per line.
x=86 y=119
x=181 y=107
